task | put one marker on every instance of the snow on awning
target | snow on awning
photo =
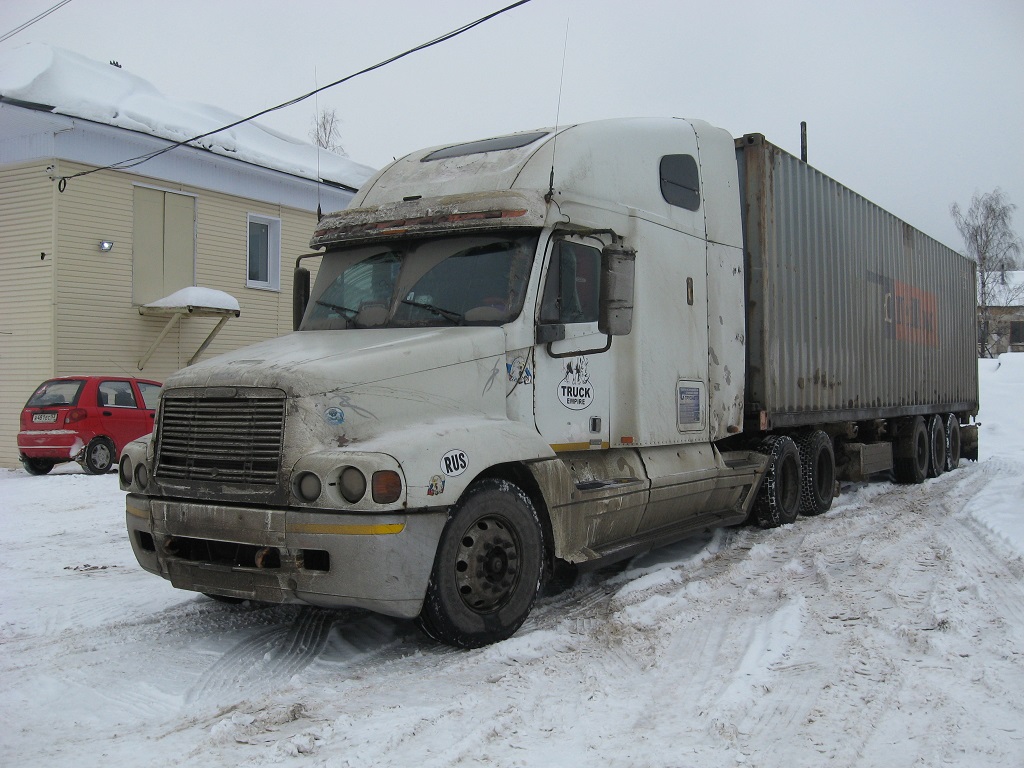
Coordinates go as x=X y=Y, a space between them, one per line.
x=193 y=301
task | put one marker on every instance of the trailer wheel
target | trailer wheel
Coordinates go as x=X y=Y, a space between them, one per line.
x=488 y=567
x=910 y=452
x=936 y=445
x=817 y=472
x=778 y=500
x=952 y=442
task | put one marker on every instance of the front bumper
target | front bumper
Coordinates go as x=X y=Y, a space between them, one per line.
x=381 y=562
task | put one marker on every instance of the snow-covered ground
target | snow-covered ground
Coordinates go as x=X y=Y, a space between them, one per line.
x=888 y=632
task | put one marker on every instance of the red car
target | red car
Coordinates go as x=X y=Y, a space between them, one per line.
x=87 y=419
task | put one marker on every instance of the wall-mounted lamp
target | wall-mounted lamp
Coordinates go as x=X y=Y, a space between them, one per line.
x=106 y=245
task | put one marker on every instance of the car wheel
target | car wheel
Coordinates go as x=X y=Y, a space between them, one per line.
x=37 y=466
x=488 y=567
x=99 y=456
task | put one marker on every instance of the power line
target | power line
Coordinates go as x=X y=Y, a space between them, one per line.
x=139 y=160
x=30 y=22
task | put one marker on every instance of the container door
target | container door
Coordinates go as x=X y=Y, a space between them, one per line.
x=571 y=381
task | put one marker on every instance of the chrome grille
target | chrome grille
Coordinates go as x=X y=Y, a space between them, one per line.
x=232 y=437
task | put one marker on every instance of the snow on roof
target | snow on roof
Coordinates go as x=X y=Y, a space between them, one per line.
x=196 y=296
x=76 y=86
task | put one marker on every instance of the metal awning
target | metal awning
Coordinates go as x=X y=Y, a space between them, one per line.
x=174 y=314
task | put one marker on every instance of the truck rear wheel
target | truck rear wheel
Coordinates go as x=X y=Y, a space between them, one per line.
x=778 y=500
x=817 y=472
x=911 y=454
x=952 y=442
x=488 y=567
x=936 y=445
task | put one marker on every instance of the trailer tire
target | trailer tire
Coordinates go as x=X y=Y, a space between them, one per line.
x=952 y=442
x=778 y=499
x=817 y=472
x=488 y=567
x=911 y=454
x=936 y=445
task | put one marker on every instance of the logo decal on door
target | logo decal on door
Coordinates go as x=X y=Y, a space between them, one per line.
x=575 y=391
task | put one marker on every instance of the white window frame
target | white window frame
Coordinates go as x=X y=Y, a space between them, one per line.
x=273 y=282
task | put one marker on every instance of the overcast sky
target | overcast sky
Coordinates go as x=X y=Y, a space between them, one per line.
x=915 y=105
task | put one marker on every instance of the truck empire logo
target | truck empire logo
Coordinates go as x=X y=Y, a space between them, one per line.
x=575 y=391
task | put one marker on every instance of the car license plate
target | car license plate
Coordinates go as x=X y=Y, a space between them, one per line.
x=44 y=418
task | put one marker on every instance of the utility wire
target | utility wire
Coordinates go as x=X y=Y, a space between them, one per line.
x=139 y=160
x=30 y=22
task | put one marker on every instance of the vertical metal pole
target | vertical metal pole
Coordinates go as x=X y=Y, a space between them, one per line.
x=803 y=140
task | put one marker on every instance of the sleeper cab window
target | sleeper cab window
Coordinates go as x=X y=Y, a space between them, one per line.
x=264 y=253
x=680 y=181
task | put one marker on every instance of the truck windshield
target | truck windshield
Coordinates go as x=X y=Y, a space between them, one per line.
x=462 y=280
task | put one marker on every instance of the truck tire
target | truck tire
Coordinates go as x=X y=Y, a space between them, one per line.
x=488 y=567
x=100 y=456
x=911 y=454
x=817 y=472
x=778 y=499
x=952 y=442
x=936 y=445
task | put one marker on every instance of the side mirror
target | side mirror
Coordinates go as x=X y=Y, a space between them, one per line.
x=617 y=272
x=300 y=296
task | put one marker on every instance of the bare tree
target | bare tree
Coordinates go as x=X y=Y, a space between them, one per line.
x=326 y=131
x=989 y=238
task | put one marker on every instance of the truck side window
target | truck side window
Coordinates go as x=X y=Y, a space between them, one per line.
x=680 y=181
x=573 y=289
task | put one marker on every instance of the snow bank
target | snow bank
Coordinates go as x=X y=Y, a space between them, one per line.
x=80 y=87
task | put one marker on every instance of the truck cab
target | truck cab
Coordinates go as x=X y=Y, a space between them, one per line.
x=516 y=353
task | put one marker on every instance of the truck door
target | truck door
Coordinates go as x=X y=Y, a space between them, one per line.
x=572 y=376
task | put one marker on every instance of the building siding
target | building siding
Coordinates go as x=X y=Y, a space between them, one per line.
x=26 y=312
x=73 y=312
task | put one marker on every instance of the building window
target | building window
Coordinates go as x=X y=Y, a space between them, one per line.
x=163 y=244
x=1017 y=331
x=264 y=249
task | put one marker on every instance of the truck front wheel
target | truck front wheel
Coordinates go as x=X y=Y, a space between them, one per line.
x=778 y=500
x=488 y=567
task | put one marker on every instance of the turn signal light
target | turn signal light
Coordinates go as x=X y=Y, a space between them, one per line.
x=387 y=486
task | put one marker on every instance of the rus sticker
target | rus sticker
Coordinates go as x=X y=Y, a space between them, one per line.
x=454 y=463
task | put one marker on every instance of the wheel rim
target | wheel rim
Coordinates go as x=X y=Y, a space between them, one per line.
x=487 y=564
x=101 y=456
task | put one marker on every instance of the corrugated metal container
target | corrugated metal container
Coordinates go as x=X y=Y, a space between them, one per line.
x=852 y=314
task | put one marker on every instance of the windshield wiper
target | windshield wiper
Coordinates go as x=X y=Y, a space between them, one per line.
x=447 y=314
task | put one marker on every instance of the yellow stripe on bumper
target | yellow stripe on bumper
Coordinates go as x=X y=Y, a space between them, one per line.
x=348 y=530
x=136 y=512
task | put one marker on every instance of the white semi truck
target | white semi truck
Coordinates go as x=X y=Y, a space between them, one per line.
x=556 y=347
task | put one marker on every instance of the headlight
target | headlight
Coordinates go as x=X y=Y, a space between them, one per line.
x=353 y=484
x=308 y=487
x=141 y=475
x=125 y=470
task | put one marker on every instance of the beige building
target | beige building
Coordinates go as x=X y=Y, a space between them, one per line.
x=1001 y=323
x=79 y=258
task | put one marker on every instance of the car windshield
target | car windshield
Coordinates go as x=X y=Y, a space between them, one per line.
x=463 y=280
x=59 y=392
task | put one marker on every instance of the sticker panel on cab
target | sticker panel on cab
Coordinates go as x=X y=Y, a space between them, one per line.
x=575 y=391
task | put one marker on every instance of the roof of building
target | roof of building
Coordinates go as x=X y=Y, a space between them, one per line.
x=60 y=81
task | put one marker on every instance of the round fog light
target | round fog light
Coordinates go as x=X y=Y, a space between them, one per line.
x=308 y=486
x=141 y=475
x=353 y=484
x=125 y=470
